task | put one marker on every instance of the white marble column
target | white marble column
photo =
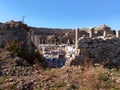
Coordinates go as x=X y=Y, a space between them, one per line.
x=104 y=33
x=91 y=32
x=76 y=39
x=117 y=34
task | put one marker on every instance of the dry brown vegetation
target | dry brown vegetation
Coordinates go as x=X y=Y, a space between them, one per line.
x=27 y=77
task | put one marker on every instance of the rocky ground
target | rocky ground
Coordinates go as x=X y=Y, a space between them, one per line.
x=17 y=74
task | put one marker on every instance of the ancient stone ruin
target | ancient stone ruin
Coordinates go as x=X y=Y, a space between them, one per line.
x=98 y=43
x=96 y=49
x=100 y=49
x=13 y=31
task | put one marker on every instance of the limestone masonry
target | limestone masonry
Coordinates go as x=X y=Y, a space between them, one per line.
x=98 y=43
x=99 y=49
x=13 y=31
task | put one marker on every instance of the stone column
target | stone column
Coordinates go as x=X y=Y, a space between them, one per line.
x=104 y=33
x=76 y=40
x=36 y=41
x=117 y=34
x=91 y=32
x=32 y=38
x=54 y=41
x=29 y=41
x=42 y=41
x=68 y=41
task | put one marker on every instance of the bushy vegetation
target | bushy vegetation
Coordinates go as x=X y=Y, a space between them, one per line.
x=20 y=49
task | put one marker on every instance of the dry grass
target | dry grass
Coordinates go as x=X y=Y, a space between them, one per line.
x=81 y=77
x=76 y=78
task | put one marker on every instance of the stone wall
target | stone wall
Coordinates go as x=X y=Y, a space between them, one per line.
x=100 y=50
x=13 y=31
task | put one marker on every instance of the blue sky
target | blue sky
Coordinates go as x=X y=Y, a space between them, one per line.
x=62 y=13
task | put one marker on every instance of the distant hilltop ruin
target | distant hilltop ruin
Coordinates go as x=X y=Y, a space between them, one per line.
x=50 y=36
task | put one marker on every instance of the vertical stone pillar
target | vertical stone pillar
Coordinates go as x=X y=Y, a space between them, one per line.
x=36 y=38
x=54 y=41
x=42 y=41
x=36 y=41
x=68 y=42
x=117 y=34
x=29 y=41
x=76 y=39
x=45 y=41
x=104 y=33
x=39 y=39
x=32 y=38
x=91 y=32
x=73 y=40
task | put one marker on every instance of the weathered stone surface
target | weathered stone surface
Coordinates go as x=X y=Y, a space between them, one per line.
x=12 y=30
x=107 y=50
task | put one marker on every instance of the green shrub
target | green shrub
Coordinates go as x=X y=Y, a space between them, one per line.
x=22 y=50
x=103 y=77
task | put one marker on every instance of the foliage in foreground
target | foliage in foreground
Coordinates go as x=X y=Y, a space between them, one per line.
x=22 y=50
x=87 y=77
x=79 y=78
